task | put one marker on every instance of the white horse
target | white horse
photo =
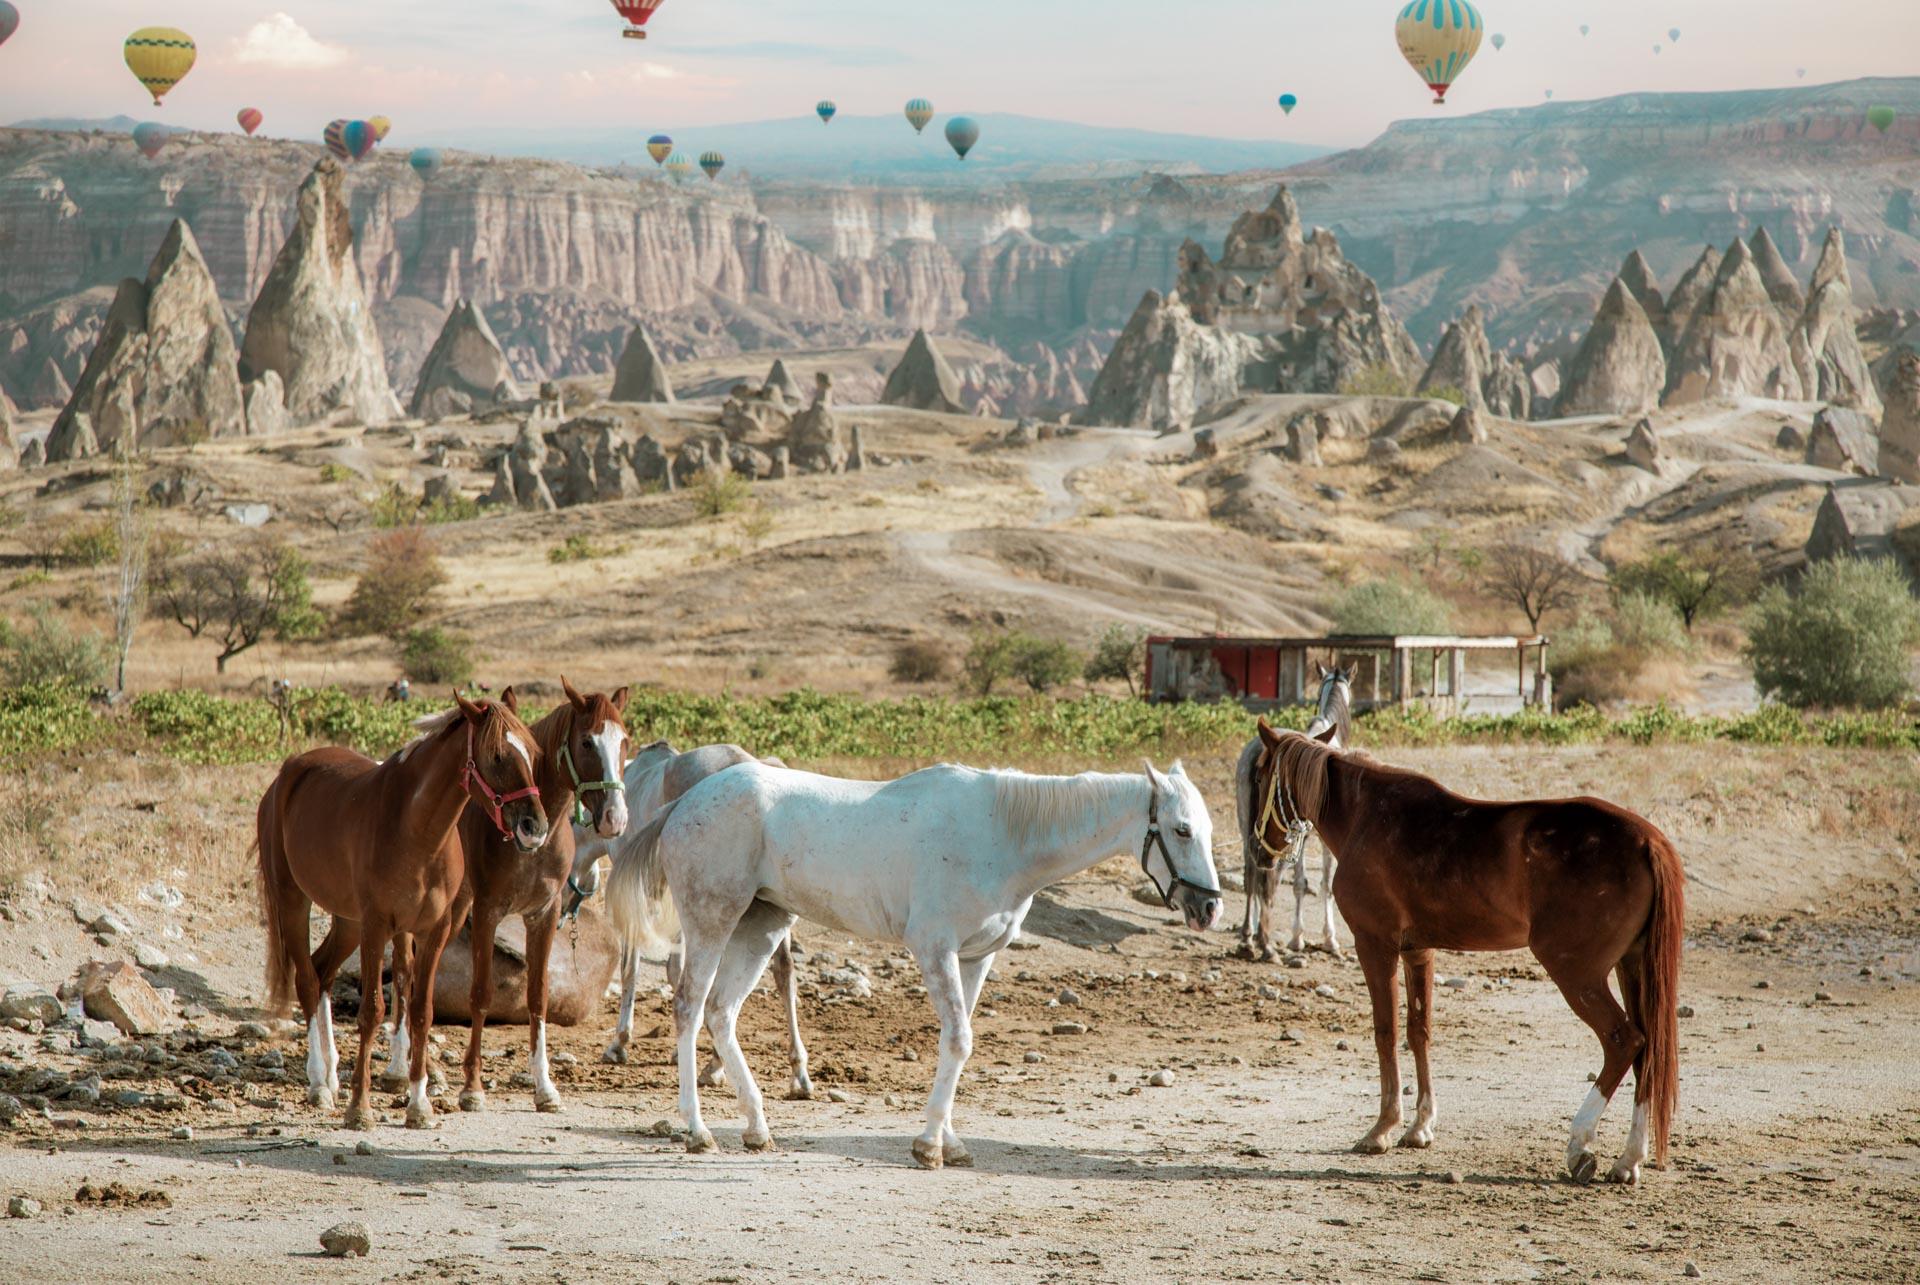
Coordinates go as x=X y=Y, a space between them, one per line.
x=656 y=777
x=945 y=861
x=1334 y=710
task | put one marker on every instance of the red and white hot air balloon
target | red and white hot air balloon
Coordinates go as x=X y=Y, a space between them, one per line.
x=250 y=119
x=636 y=12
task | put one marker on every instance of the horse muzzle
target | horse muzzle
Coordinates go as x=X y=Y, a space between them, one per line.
x=612 y=821
x=529 y=833
x=1201 y=909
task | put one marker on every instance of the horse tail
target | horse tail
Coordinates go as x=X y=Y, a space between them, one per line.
x=266 y=849
x=638 y=896
x=1659 y=1067
x=1245 y=789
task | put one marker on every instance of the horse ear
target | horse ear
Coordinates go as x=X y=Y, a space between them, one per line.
x=619 y=701
x=473 y=712
x=1326 y=735
x=1319 y=670
x=511 y=701
x=1267 y=734
x=574 y=698
x=1153 y=775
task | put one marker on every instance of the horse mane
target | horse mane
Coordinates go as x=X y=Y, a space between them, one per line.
x=1030 y=807
x=489 y=735
x=1300 y=764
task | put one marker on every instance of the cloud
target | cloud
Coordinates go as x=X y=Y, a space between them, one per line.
x=281 y=42
x=795 y=51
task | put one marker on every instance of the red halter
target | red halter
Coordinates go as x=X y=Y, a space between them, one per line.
x=490 y=800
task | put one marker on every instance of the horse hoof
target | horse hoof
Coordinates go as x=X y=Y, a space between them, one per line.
x=800 y=1090
x=391 y=1082
x=320 y=1096
x=1418 y=1139
x=957 y=1156
x=421 y=1119
x=615 y=1055
x=700 y=1141
x=358 y=1117
x=762 y=1141
x=1370 y=1146
x=549 y=1106
x=928 y=1155
x=1625 y=1174
x=1268 y=955
x=713 y=1079
x=1582 y=1168
x=473 y=1100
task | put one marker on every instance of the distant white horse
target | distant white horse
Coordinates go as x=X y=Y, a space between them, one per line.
x=656 y=777
x=1262 y=868
x=945 y=861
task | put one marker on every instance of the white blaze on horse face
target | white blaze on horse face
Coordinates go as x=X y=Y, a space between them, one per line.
x=606 y=742
x=513 y=739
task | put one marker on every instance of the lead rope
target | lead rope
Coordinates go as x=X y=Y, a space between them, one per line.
x=1288 y=814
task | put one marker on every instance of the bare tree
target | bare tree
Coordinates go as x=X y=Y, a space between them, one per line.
x=238 y=596
x=1533 y=578
x=133 y=534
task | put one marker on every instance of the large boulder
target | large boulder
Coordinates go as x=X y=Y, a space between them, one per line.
x=1509 y=392
x=1737 y=343
x=1844 y=440
x=1619 y=368
x=312 y=323
x=9 y=446
x=1900 y=426
x=165 y=369
x=1461 y=361
x=641 y=376
x=466 y=372
x=1825 y=344
x=1866 y=519
x=923 y=380
x=265 y=400
x=1643 y=447
x=815 y=443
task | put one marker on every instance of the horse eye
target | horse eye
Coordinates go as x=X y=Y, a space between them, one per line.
x=1184 y=831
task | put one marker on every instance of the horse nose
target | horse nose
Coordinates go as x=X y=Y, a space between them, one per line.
x=613 y=818
x=529 y=833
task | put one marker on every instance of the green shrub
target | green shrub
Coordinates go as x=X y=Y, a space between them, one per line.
x=395 y=506
x=1844 y=639
x=1044 y=663
x=1379 y=380
x=920 y=660
x=716 y=493
x=1699 y=583
x=397 y=586
x=433 y=655
x=1120 y=654
x=334 y=472
x=451 y=508
x=1649 y=625
x=987 y=664
x=580 y=548
x=92 y=545
x=1446 y=393
x=49 y=654
x=1391 y=607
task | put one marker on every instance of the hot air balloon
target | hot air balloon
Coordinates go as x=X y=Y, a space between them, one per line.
x=350 y=140
x=381 y=127
x=1656 y=49
x=1549 y=93
x=1584 y=29
x=159 y=57
x=1880 y=118
x=919 y=112
x=825 y=109
x=659 y=147
x=679 y=166
x=636 y=12
x=1499 y=42
x=1800 y=73
x=335 y=137
x=250 y=119
x=1438 y=38
x=1673 y=34
x=1288 y=102
x=962 y=134
x=426 y=161
x=9 y=20
x=712 y=163
x=150 y=137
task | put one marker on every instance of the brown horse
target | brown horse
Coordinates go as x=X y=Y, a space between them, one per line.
x=1589 y=888
x=376 y=846
x=582 y=744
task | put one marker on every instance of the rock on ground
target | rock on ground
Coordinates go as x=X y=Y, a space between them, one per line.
x=117 y=993
x=343 y=1239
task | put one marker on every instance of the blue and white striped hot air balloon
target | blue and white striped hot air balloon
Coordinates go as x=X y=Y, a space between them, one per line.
x=1438 y=38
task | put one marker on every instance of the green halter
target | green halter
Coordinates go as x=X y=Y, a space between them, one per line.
x=580 y=787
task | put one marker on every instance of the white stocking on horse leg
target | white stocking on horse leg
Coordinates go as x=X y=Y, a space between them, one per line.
x=544 y=1091
x=322 y=1079
x=947 y=991
x=398 y=1053
x=801 y=1089
x=1627 y=1168
x=1580 y=1158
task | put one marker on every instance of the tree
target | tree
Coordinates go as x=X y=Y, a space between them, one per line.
x=1846 y=638
x=1121 y=653
x=1532 y=578
x=1699 y=583
x=1375 y=607
x=988 y=662
x=133 y=536
x=1044 y=663
x=397 y=586
x=238 y=596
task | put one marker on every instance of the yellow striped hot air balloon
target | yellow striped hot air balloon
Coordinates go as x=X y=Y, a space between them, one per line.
x=380 y=126
x=1438 y=38
x=159 y=57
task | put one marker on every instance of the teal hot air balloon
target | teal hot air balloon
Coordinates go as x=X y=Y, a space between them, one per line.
x=679 y=166
x=962 y=134
x=1585 y=29
x=426 y=161
x=1288 y=102
x=825 y=109
x=1673 y=34
x=150 y=137
x=919 y=112
x=712 y=163
x=1499 y=41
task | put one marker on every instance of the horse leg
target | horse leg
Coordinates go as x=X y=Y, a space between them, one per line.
x=1419 y=966
x=399 y=1054
x=343 y=938
x=699 y=964
x=760 y=932
x=373 y=948
x=1621 y=1043
x=292 y=911
x=1376 y=961
x=473 y=1094
x=1268 y=882
x=940 y=968
x=1249 y=880
x=801 y=1089
x=616 y=1051
x=712 y=1075
x=1301 y=887
x=1331 y=938
x=425 y=967
x=540 y=933
x=1627 y=1168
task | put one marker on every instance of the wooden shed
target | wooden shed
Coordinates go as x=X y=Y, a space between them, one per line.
x=1404 y=670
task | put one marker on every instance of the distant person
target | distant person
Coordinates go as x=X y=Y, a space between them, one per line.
x=399 y=692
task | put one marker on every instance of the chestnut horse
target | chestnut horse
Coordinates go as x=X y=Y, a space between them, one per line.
x=582 y=746
x=376 y=846
x=1588 y=887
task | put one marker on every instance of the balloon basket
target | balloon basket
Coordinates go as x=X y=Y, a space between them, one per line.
x=634 y=33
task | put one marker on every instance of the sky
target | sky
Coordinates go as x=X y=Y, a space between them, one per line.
x=1211 y=67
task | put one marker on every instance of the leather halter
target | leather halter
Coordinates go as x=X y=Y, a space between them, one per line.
x=490 y=800
x=1154 y=838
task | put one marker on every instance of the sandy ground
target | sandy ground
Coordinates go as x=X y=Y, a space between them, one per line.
x=1796 y=1157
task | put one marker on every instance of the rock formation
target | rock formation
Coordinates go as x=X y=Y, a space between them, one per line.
x=1863 y=519
x=1736 y=343
x=164 y=370
x=1619 y=368
x=311 y=323
x=1461 y=361
x=1468 y=427
x=1643 y=447
x=1695 y=284
x=72 y=438
x=1900 y=427
x=1281 y=311
x=1844 y=440
x=1508 y=391
x=1782 y=288
x=1825 y=344
x=779 y=380
x=815 y=443
x=466 y=371
x=9 y=447
x=923 y=380
x=1636 y=274
x=265 y=403
x=641 y=376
